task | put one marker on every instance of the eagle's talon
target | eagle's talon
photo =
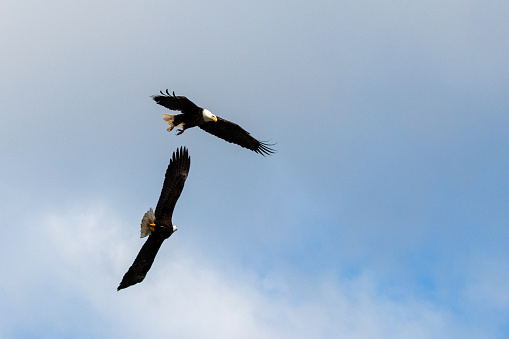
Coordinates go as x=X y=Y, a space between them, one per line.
x=180 y=131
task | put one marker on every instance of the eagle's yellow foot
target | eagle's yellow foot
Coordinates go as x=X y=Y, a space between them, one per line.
x=180 y=131
x=169 y=128
x=151 y=227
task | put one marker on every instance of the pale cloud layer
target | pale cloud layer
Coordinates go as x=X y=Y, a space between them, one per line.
x=383 y=214
x=69 y=290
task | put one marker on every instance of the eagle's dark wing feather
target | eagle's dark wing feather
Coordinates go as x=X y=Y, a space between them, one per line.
x=174 y=179
x=176 y=103
x=233 y=133
x=143 y=261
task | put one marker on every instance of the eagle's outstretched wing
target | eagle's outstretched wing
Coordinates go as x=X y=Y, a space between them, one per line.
x=174 y=180
x=233 y=133
x=176 y=103
x=143 y=261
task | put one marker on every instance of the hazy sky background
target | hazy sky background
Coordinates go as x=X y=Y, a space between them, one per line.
x=384 y=213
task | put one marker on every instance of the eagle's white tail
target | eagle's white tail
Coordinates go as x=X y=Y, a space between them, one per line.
x=169 y=118
x=147 y=223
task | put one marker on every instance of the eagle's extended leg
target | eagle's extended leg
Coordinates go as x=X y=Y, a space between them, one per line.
x=180 y=131
x=169 y=128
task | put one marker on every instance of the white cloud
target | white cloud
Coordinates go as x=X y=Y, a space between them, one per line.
x=74 y=260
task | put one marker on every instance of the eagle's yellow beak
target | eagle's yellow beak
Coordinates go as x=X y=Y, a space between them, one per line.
x=214 y=118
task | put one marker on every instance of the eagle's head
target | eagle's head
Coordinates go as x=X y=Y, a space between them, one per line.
x=208 y=116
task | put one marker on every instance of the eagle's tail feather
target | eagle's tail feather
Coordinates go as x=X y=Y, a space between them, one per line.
x=169 y=118
x=147 y=223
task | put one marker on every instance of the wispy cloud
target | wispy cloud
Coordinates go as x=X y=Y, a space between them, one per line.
x=74 y=260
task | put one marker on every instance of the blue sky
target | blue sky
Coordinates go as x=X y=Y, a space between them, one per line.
x=383 y=214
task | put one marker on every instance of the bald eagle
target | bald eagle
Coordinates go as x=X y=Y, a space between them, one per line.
x=193 y=115
x=158 y=226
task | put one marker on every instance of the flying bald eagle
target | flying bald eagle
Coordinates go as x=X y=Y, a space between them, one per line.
x=193 y=115
x=159 y=226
